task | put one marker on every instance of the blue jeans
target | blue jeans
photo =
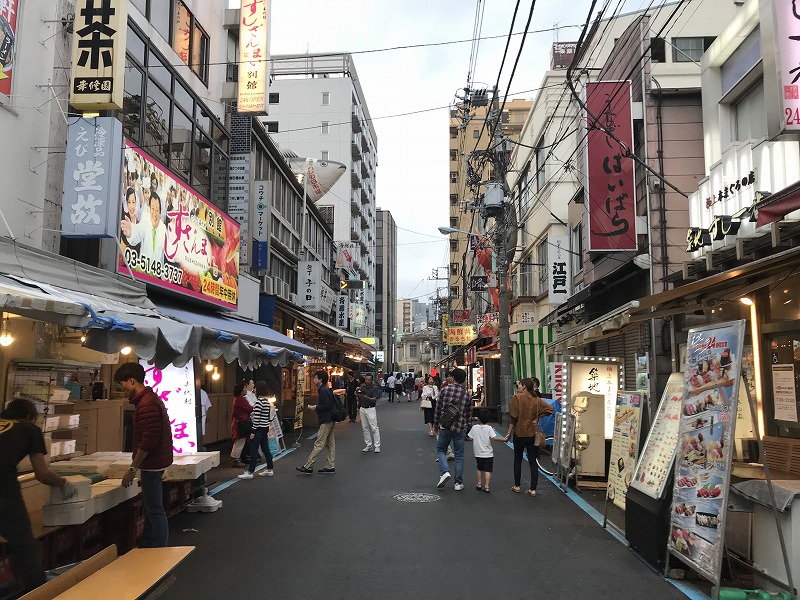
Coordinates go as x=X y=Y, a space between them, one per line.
x=260 y=440
x=156 y=530
x=445 y=437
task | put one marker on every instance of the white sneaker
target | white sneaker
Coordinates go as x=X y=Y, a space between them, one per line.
x=367 y=449
x=266 y=473
x=443 y=479
x=246 y=475
x=458 y=487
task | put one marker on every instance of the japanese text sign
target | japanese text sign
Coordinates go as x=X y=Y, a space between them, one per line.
x=600 y=377
x=239 y=200
x=91 y=178
x=98 y=54
x=309 y=285
x=458 y=336
x=342 y=311
x=326 y=299
x=559 y=269
x=358 y=314
x=175 y=386
x=253 y=54
x=346 y=253
x=173 y=238
x=8 y=36
x=787 y=23
x=609 y=172
x=262 y=194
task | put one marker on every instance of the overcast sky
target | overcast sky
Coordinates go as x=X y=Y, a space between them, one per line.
x=413 y=157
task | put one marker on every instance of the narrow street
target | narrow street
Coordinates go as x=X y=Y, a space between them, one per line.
x=346 y=536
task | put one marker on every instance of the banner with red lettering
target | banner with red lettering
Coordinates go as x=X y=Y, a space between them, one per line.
x=609 y=172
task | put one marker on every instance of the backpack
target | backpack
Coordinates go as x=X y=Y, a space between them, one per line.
x=338 y=413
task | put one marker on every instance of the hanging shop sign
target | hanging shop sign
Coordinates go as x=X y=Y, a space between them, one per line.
x=239 y=200
x=319 y=176
x=461 y=316
x=559 y=269
x=175 y=386
x=174 y=239
x=8 y=42
x=182 y=32
x=326 y=299
x=525 y=315
x=444 y=327
x=787 y=57
x=91 y=179
x=609 y=171
x=655 y=465
x=459 y=336
x=262 y=194
x=703 y=465
x=346 y=253
x=478 y=283
x=342 y=311
x=253 y=56
x=489 y=325
x=358 y=314
x=309 y=284
x=624 y=446
x=98 y=54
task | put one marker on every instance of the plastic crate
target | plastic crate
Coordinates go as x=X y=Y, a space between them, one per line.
x=173 y=500
x=186 y=492
x=90 y=537
x=60 y=547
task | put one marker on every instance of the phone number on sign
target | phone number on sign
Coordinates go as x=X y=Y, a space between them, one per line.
x=145 y=264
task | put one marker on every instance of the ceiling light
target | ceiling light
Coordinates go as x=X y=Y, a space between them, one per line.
x=6 y=339
x=746 y=301
x=215 y=375
x=125 y=350
x=209 y=366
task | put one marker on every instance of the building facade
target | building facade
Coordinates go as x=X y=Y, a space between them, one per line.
x=386 y=283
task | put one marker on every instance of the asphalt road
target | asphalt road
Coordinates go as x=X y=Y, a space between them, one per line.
x=346 y=536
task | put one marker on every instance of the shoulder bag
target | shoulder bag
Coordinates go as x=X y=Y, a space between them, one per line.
x=449 y=414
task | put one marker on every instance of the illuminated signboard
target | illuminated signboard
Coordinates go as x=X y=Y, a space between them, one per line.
x=175 y=387
x=253 y=55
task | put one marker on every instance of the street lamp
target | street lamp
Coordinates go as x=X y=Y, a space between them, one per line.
x=500 y=261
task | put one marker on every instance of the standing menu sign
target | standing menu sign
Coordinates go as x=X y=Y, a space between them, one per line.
x=624 y=446
x=705 y=448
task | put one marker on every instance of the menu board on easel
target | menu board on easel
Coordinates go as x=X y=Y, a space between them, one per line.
x=624 y=446
x=655 y=463
x=705 y=448
x=299 y=406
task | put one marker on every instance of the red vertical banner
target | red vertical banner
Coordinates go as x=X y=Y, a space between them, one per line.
x=609 y=172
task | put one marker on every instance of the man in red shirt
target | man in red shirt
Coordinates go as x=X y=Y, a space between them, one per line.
x=152 y=451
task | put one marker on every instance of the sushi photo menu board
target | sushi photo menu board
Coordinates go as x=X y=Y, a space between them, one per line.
x=655 y=464
x=705 y=446
x=624 y=446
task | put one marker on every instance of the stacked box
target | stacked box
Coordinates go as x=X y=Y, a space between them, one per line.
x=105 y=497
x=68 y=421
x=73 y=513
x=68 y=446
x=83 y=485
x=56 y=448
x=213 y=455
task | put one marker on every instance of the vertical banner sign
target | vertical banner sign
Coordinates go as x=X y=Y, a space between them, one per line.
x=609 y=174
x=262 y=192
x=559 y=269
x=787 y=50
x=175 y=386
x=325 y=299
x=239 y=200
x=346 y=253
x=182 y=32
x=299 y=407
x=624 y=446
x=309 y=284
x=98 y=54
x=342 y=311
x=705 y=448
x=8 y=42
x=92 y=178
x=654 y=468
x=444 y=327
x=253 y=55
x=172 y=238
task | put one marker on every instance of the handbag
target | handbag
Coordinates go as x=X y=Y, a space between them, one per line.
x=244 y=428
x=539 y=439
x=426 y=402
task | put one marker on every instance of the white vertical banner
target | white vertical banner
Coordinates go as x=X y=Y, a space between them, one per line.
x=342 y=311
x=309 y=285
x=175 y=386
x=253 y=56
x=239 y=200
x=326 y=299
x=559 y=269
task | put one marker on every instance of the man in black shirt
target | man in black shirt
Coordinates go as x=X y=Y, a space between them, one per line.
x=20 y=437
x=350 y=397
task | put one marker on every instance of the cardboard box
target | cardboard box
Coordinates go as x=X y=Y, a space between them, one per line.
x=81 y=483
x=73 y=513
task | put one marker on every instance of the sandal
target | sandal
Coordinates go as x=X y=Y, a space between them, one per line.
x=530 y=492
x=515 y=489
x=487 y=490
x=478 y=487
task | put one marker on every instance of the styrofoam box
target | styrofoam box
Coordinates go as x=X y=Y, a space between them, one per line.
x=72 y=466
x=181 y=472
x=59 y=394
x=69 y=420
x=124 y=493
x=105 y=497
x=48 y=423
x=68 y=446
x=73 y=513
x=214 y=457
x=56 y=448
x=81 y=483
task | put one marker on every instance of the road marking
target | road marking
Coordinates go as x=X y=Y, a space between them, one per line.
x=227 y=484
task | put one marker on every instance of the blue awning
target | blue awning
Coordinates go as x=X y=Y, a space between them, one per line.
x=246 y=330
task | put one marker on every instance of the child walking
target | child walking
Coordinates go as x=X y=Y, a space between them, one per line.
x=483 y=434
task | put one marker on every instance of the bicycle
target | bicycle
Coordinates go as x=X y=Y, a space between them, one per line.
x=546 y=462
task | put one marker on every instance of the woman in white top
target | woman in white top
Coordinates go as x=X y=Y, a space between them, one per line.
x=249 y=392
x=429 y=395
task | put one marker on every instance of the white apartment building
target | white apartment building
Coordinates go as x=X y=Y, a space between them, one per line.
x=412 y=315
x=317 y=109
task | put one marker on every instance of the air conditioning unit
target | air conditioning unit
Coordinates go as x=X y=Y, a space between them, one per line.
x=267 y=286
x=293 y=299
x=284 y=290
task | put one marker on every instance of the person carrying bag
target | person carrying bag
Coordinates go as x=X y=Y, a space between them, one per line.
x=427 y=403
x=525 y=409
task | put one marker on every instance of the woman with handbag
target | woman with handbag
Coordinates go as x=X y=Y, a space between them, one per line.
x=427 y=403
x=240 y=422
x=525 y=409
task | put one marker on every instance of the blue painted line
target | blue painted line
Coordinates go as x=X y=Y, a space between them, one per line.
x=227 y=484
x=313 y=436
x=685 y=588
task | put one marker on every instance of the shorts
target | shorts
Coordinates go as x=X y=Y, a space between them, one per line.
x=485 y=464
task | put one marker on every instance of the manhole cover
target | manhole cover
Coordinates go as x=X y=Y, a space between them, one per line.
x=409 y=497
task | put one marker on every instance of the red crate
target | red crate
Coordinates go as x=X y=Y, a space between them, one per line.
x=60 y=547
x=90 y=537
x=186 y=492
x=8 y=582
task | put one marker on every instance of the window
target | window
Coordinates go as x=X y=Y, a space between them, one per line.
x=326 y=98
x=658 y=52
x=750 y=114
x=453 y=245
x=132 y=103
x=453 y=133
x=272 y=126
x=476 y=134
x=453 y=155
x=412 y=351
x=453 y=176
x=454 y=291
x=200 y=46
x=324 y=127
x=324 y=155
x=454 y=268
x=453 y=199
x=275 y=98
x=577 y=249
x=541 y=258
x=690 y=49
x=454 y=222
x=161 y=17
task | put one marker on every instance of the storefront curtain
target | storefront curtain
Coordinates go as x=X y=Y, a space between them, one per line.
x=530 y=354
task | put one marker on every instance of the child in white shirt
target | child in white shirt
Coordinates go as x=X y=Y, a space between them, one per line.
x=483 y=434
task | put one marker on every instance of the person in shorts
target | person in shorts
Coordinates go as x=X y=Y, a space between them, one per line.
x=482 y=435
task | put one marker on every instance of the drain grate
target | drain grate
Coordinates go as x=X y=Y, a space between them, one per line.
x=416 y=497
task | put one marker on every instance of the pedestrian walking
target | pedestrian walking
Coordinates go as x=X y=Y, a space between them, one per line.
x=261 y=418
x=350 y=397
x=455 y=395
x=20 y=437
x=390 y=380
x=152 y=451
x=325 y=438
x=240 y=423
x=524 y=411
x=398 y=386
x=408 y=383
x=427 y=403
x=368 y=395
x=482 y=436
